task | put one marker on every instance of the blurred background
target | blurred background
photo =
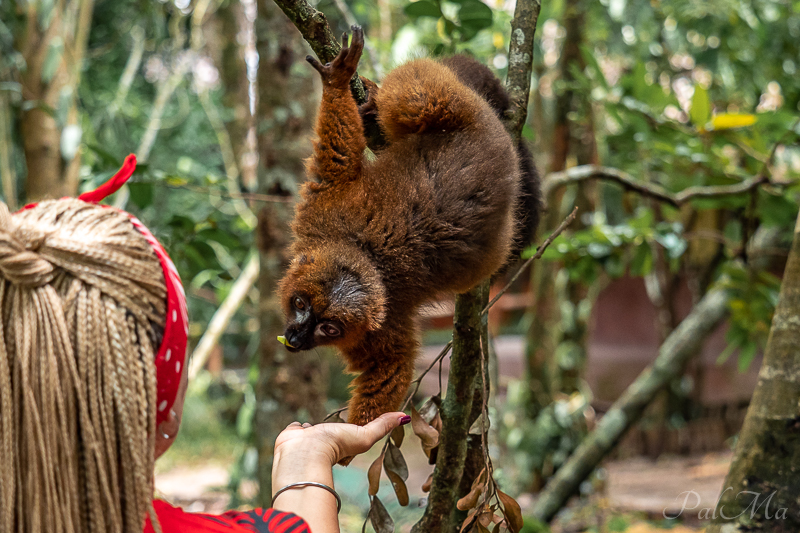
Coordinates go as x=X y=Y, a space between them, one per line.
x=215 y=99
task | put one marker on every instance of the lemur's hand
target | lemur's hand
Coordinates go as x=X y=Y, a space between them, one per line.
x=339 y=72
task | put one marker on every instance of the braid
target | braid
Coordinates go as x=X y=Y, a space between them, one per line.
x=82 y=298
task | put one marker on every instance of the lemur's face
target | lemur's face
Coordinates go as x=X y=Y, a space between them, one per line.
x=309 y=325
x=325 y=303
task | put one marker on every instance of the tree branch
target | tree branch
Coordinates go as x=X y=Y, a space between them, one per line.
x=456 y=412
x=627 y=181
x=458 y=408
x=313 y=25
x=520 y=64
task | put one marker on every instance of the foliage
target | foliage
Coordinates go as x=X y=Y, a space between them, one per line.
x=754 y=295
x=542 y=444
x=617 y=249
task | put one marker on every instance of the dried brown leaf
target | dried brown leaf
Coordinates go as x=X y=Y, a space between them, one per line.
x=480 y=481
x=394 y=461
x=480 y=425
x=374 y=475
x=480 y=528
x=436 y=423
x=469 y=501
x=398 y=434
x=430 y=408
x=512 y=511
x=399 y=487
x=426 y=487
x=379 y=517
x=426 y=433
x=486 y=517
x=466 y=525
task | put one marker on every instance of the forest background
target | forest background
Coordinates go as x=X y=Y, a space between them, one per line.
x=672 y=126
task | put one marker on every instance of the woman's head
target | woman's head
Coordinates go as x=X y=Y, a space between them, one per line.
x=83 y=306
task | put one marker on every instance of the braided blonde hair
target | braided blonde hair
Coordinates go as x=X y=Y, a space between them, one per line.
x=82 y=307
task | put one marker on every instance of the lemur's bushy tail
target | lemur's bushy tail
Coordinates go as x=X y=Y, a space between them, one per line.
x=480 y=79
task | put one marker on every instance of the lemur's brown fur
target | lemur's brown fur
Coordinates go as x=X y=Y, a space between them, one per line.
x=433 y=214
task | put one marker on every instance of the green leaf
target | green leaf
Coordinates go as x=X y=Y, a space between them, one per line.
x=642 y=262
x=244 y=419
x=701 y=107
x=725 y=354
x=52 y=59
x=107 y=157
x=475 y=16
x=423 y=8
x=45 y=13
x=142 y=194
x=746 y=356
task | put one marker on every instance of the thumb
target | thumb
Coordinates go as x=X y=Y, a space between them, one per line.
x=383 y=425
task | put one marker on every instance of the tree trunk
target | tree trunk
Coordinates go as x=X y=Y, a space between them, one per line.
x=232 y=40
x=761 y=490
x=290 y=386
x=457 y=412
x=681 y=345
x=53 y=57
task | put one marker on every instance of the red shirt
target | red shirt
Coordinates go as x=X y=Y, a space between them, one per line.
x=176 y=520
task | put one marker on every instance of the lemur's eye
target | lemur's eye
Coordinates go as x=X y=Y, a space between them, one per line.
x=299 y=303
x=330 y=330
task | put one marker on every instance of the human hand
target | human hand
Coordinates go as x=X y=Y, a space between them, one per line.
x=329 y=443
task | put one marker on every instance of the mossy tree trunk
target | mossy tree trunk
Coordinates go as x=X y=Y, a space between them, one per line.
x=762 y=489
x=458 y=411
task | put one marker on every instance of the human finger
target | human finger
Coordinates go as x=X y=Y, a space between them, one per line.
x=366 y=436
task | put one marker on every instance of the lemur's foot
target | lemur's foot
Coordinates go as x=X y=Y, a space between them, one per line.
x=339 y=72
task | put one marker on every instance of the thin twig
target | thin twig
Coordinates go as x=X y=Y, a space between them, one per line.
x=417 y=381
x=539 y=251
x=487 y=461
x=720 y=190
x=249 y=196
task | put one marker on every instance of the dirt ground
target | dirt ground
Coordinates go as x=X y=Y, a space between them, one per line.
x=667 y=488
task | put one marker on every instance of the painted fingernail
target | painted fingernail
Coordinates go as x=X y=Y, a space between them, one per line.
x=405 y=420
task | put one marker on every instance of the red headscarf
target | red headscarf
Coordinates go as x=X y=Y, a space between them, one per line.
x=171 y=355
